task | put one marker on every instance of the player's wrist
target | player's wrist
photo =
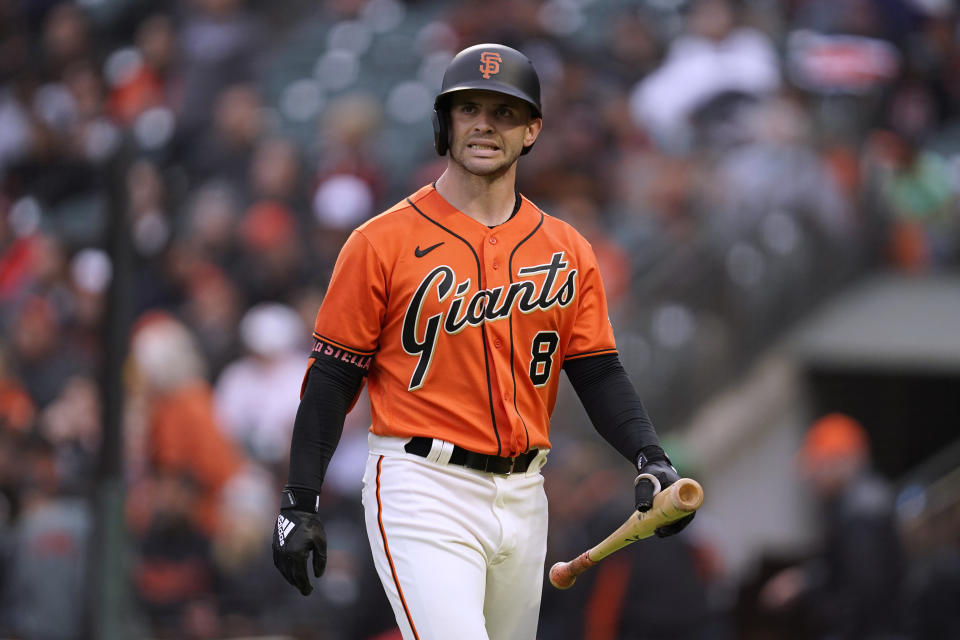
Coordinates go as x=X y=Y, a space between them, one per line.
x=651 y=453
x=300 y=499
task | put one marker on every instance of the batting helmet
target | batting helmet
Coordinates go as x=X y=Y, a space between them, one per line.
x=492 y=67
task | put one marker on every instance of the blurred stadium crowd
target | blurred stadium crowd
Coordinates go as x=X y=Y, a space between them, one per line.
x=732 y=163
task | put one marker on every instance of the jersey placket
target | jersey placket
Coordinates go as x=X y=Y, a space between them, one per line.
x=494 y=258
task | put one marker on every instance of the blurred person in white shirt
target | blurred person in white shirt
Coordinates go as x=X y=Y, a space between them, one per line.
x=718 y=55
x=256 y=395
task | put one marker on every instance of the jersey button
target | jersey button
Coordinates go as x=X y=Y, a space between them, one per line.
x=496 y=265
x=493 y=240
x=498 y=343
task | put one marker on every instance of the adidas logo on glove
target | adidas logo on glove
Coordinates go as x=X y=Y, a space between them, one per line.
x=284 y=527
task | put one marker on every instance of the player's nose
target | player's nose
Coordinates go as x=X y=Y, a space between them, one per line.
x=483 y=121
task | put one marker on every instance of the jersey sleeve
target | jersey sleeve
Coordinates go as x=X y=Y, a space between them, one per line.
x=352 y=312
x=592 y=333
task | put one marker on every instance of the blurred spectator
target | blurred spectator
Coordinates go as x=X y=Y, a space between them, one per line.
x=611 y=257
x=920 y=201
x=708 y=72
x=17 y=415
x=657 y=195
x=10 y=446
x=183 y=434
x=44 y=361
x=219 y=43
x=349 y=180
x=257 y=395
x=777 y=170
x=90 y=273
x=276 y=174
x=213 y=307
x=72 y=424
x=933 y=585
x=635 y=46
x=853 y=588
x=14 y=42
x=45 y=580
x=212 y=500
x=341 y=202
x=147 y=78
x=66 y=37
x=224 y=150
x=272 y=262
x=246 y=579
x=17 y=409
x=173 y=573
x=348 y=134
x=209 y=227
x=49 y=273
x=150 y=224
x=33 y=261
x=88 y=94
x=15 y=128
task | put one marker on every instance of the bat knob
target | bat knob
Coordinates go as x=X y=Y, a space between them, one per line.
x=560 y=576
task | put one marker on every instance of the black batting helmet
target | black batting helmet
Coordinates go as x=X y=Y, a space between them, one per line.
x=492 y=67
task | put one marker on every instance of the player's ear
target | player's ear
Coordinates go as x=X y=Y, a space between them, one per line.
x=532 y=131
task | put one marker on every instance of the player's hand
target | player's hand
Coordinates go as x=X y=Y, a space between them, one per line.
x=656 y=474
x=296 y=534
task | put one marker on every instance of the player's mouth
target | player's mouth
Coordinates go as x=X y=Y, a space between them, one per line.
x=482 y=146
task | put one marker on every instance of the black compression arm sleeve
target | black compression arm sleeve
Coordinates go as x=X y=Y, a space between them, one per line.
x=613 y=404
x=332 y=384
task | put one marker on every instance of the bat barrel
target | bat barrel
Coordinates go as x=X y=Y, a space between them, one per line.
x=688 y=494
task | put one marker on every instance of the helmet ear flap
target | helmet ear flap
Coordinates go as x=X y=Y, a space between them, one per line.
x=441 y=132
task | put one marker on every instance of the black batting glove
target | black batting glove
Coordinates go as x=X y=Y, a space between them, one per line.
x=656 y=474
x=297 y=532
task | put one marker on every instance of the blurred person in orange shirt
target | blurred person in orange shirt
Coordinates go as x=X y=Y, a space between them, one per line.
x=179 y=458
x=851 y=588
x=180 y=431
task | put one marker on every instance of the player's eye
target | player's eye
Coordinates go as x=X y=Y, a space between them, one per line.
x=505 y=112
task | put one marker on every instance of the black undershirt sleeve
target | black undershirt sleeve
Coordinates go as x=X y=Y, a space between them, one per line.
x=332 y=385
x=612 y=403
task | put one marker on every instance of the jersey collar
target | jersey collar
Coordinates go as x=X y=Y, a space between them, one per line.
x=524 y=220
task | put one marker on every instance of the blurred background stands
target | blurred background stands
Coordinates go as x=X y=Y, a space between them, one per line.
x=736 y=165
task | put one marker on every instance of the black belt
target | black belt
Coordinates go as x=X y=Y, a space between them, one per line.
x=480 y=461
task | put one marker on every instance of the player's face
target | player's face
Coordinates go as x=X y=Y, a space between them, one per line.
x=489 y=130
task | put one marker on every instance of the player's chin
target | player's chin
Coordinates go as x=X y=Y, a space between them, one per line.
x=489 y=166
x=484 y=171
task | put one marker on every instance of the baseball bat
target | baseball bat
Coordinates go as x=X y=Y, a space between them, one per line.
x=676 y=501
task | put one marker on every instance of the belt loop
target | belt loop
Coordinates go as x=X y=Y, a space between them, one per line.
x=537 y=463
x=446 y=450
x=436 y=449
x=440 y=451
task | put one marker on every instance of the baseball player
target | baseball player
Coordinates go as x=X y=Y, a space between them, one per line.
x=459 y=306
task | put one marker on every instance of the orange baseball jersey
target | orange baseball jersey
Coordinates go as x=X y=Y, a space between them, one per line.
x=464 y=328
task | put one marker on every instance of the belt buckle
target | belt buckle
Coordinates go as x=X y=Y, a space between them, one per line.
x=491 y=462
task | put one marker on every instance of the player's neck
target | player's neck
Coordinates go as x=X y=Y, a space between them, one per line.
x=489 y=200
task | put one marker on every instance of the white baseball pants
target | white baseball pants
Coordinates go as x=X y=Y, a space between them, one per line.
x=459 y=552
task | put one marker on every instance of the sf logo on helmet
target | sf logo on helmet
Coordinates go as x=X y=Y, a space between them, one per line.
x=490 y=64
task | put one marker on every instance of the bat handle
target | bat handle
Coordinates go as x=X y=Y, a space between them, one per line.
x=563 y=574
